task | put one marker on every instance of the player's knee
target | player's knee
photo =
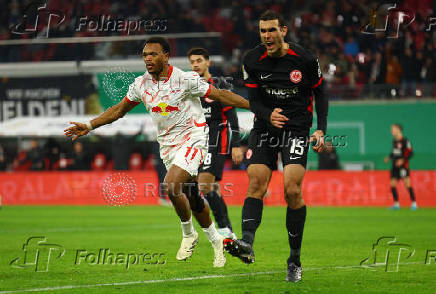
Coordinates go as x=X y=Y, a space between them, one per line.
x=292 y=193
x=257 y=187
x=205 y=188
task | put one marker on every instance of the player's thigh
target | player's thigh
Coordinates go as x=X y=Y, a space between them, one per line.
x=213 y=163
x=259 y=176
x=206 y=182
x=295 y=147
x=175 y=180
x=406 y=181
x=293 y=175
x=262 y=149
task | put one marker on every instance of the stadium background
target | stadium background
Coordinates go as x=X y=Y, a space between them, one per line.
x=64 y=62
x=370 y=78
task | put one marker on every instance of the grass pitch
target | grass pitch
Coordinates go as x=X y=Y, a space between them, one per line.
x=335 y=242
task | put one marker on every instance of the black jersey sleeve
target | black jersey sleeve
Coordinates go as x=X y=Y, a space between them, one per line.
x=321 y=100
x=232 y=119
x=408 y=152
x=256 y=106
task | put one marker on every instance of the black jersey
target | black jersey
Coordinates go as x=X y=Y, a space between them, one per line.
x=288 y=82
x=401 y=149
x=223 y=124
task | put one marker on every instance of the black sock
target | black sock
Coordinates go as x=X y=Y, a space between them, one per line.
x=295 y=219
x=412 y=195
x=394 y=193
x=225 y=212
x=251 y=218
x=219 y=212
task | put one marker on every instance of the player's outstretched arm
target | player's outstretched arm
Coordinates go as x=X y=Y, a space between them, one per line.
x=229 y=98
x=110 y=115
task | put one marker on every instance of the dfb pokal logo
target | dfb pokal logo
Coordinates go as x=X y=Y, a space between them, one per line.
x=38 y=254
x=388 y=253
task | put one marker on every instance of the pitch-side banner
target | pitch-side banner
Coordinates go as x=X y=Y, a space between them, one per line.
x=44 y=96
x=321 y=188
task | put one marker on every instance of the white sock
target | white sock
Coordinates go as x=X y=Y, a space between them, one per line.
x=187 y=228
x=212 y=234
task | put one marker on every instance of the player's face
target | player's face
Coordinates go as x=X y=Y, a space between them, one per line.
x=395 y=131
x=199 y=64
x=154 y=58
x=272 y=35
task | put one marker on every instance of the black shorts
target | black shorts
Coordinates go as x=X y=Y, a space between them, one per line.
x=213 y=163
x=399 y=172
x=264 y=147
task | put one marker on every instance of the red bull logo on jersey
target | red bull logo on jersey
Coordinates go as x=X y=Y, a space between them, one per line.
x=164 y=109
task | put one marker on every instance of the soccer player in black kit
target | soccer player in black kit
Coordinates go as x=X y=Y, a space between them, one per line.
x=400 y=155
x=283 y=79
x=223 y=136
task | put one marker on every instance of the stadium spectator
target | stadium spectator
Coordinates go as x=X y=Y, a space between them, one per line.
x=35 y=155
x=393 y=75
x=52 y=152
x=80 y=160
x=411 y=71
x=2 y=159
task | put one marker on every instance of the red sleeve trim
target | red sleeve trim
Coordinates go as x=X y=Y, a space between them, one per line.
x=208 y=92
x=227 y=108
x=319 y=83
x=199 y=124
x=130 y=101
x=252 y=85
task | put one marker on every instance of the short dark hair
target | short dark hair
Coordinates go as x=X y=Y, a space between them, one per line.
x=199 y=51
x=398 y=126
x=272 y=15
x=160 y=40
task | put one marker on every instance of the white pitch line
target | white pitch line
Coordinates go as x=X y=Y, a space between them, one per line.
x=68 y=287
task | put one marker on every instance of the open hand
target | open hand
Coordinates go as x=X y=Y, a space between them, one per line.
x=76 y=131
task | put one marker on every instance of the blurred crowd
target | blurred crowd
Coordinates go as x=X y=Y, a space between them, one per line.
x=119 y=152
x=356 y=61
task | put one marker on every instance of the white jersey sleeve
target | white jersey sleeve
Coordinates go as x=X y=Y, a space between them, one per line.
x=196 y=85
x=134 y=92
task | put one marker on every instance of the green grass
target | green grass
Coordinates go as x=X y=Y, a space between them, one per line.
x=335 y=241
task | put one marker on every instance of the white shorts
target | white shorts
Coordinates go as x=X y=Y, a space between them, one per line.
x=188 y=156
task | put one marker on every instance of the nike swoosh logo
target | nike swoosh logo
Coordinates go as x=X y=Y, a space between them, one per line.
x=206 y=167
x=296 y=157
x=292 y=235
x=248 y=219
x=265 y=77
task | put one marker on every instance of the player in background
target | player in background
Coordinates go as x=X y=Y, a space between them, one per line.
x=172 y=98
x=400 y=156
x=223 y=135
x=282 y=79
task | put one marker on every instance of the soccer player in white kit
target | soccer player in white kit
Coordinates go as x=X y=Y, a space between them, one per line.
x=171 y=96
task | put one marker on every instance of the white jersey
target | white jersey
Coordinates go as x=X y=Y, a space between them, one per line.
x=173 y=104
